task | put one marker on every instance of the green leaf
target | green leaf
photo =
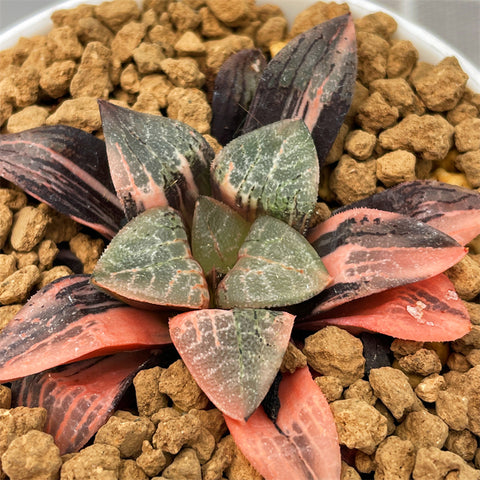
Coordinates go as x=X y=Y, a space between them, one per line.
x=234 y=355
x=276 y=267
x=149 y=262
x=155 y=161
x=217 y=234
x=272 y=170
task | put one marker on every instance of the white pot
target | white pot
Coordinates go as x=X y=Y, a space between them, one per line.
x=431 y=48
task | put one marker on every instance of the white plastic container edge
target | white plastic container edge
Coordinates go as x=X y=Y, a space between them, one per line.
x=430 y=48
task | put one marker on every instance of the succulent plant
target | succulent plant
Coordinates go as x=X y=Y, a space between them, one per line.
x=216 y=255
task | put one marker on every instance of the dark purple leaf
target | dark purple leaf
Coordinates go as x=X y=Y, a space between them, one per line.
x=66 y=168
x=311 y=78
x=451 y=209
x=367 y=251
x=80 y=397
x=71 y=320
x=235 y=86
x=155 y=161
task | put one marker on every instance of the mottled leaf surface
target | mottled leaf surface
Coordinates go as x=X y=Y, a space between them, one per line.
x=155 y=161
x=218 y=233
x=425 y=311
x=449 y=208
x=81 y=396
x=302 y=444
x=66 y=168
x=149 y=263
x=233 y=355
x=276 y=267
x=313 y=78
x=70 y=320
x=272 y=170
x=367 y=251
x=235 y=86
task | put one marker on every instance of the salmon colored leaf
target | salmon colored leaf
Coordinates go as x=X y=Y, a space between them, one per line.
x=367 y=251
x=313 y=78
x=71 y=320
x=449 y=208
x=81 y=396
x=217 y=234
x=66 y=168
x=155 y=161
x=272 y=170
x=302 y=444
x=149 y=263
x=234 y=355
x=276 y=267
x=425 y=311
x=235 y=86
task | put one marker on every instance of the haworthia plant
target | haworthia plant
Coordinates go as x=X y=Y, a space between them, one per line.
x=233 y=355
x=235 y=86
x=312 y=78
x=272 y=170
x=149 y=262
x=155 y=161
x=276 y=267
x=217 y=234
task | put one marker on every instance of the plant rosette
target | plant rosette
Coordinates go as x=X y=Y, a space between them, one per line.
x=218 y=254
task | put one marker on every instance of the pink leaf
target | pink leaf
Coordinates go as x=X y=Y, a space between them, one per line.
x=302 y=444
x=426 y=311
x=71 y=320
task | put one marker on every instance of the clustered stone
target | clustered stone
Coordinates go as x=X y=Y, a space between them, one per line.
x=416 y=418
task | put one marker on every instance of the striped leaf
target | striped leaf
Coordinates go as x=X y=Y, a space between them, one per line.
x=217 y=234
x=155 y=161
x=367 y=251
x=313 y=78
x=302 y=443
x=81 y=396
x=70 y=320
x=67 y=169
x=425 y=311
x=449 y=208
x=233 y=355
x=276 y=267
x=235 y=86
x=272 y=170
x=149 y=262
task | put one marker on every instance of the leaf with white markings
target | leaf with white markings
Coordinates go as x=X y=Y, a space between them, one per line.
x=155 y=161
x=276 y=267
x=149 y=262
x=234 y=355
x=217 y=234
x=272 y=170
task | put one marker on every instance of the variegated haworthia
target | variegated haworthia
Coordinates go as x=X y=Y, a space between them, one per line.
x=149 y=262
x=272 y=170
